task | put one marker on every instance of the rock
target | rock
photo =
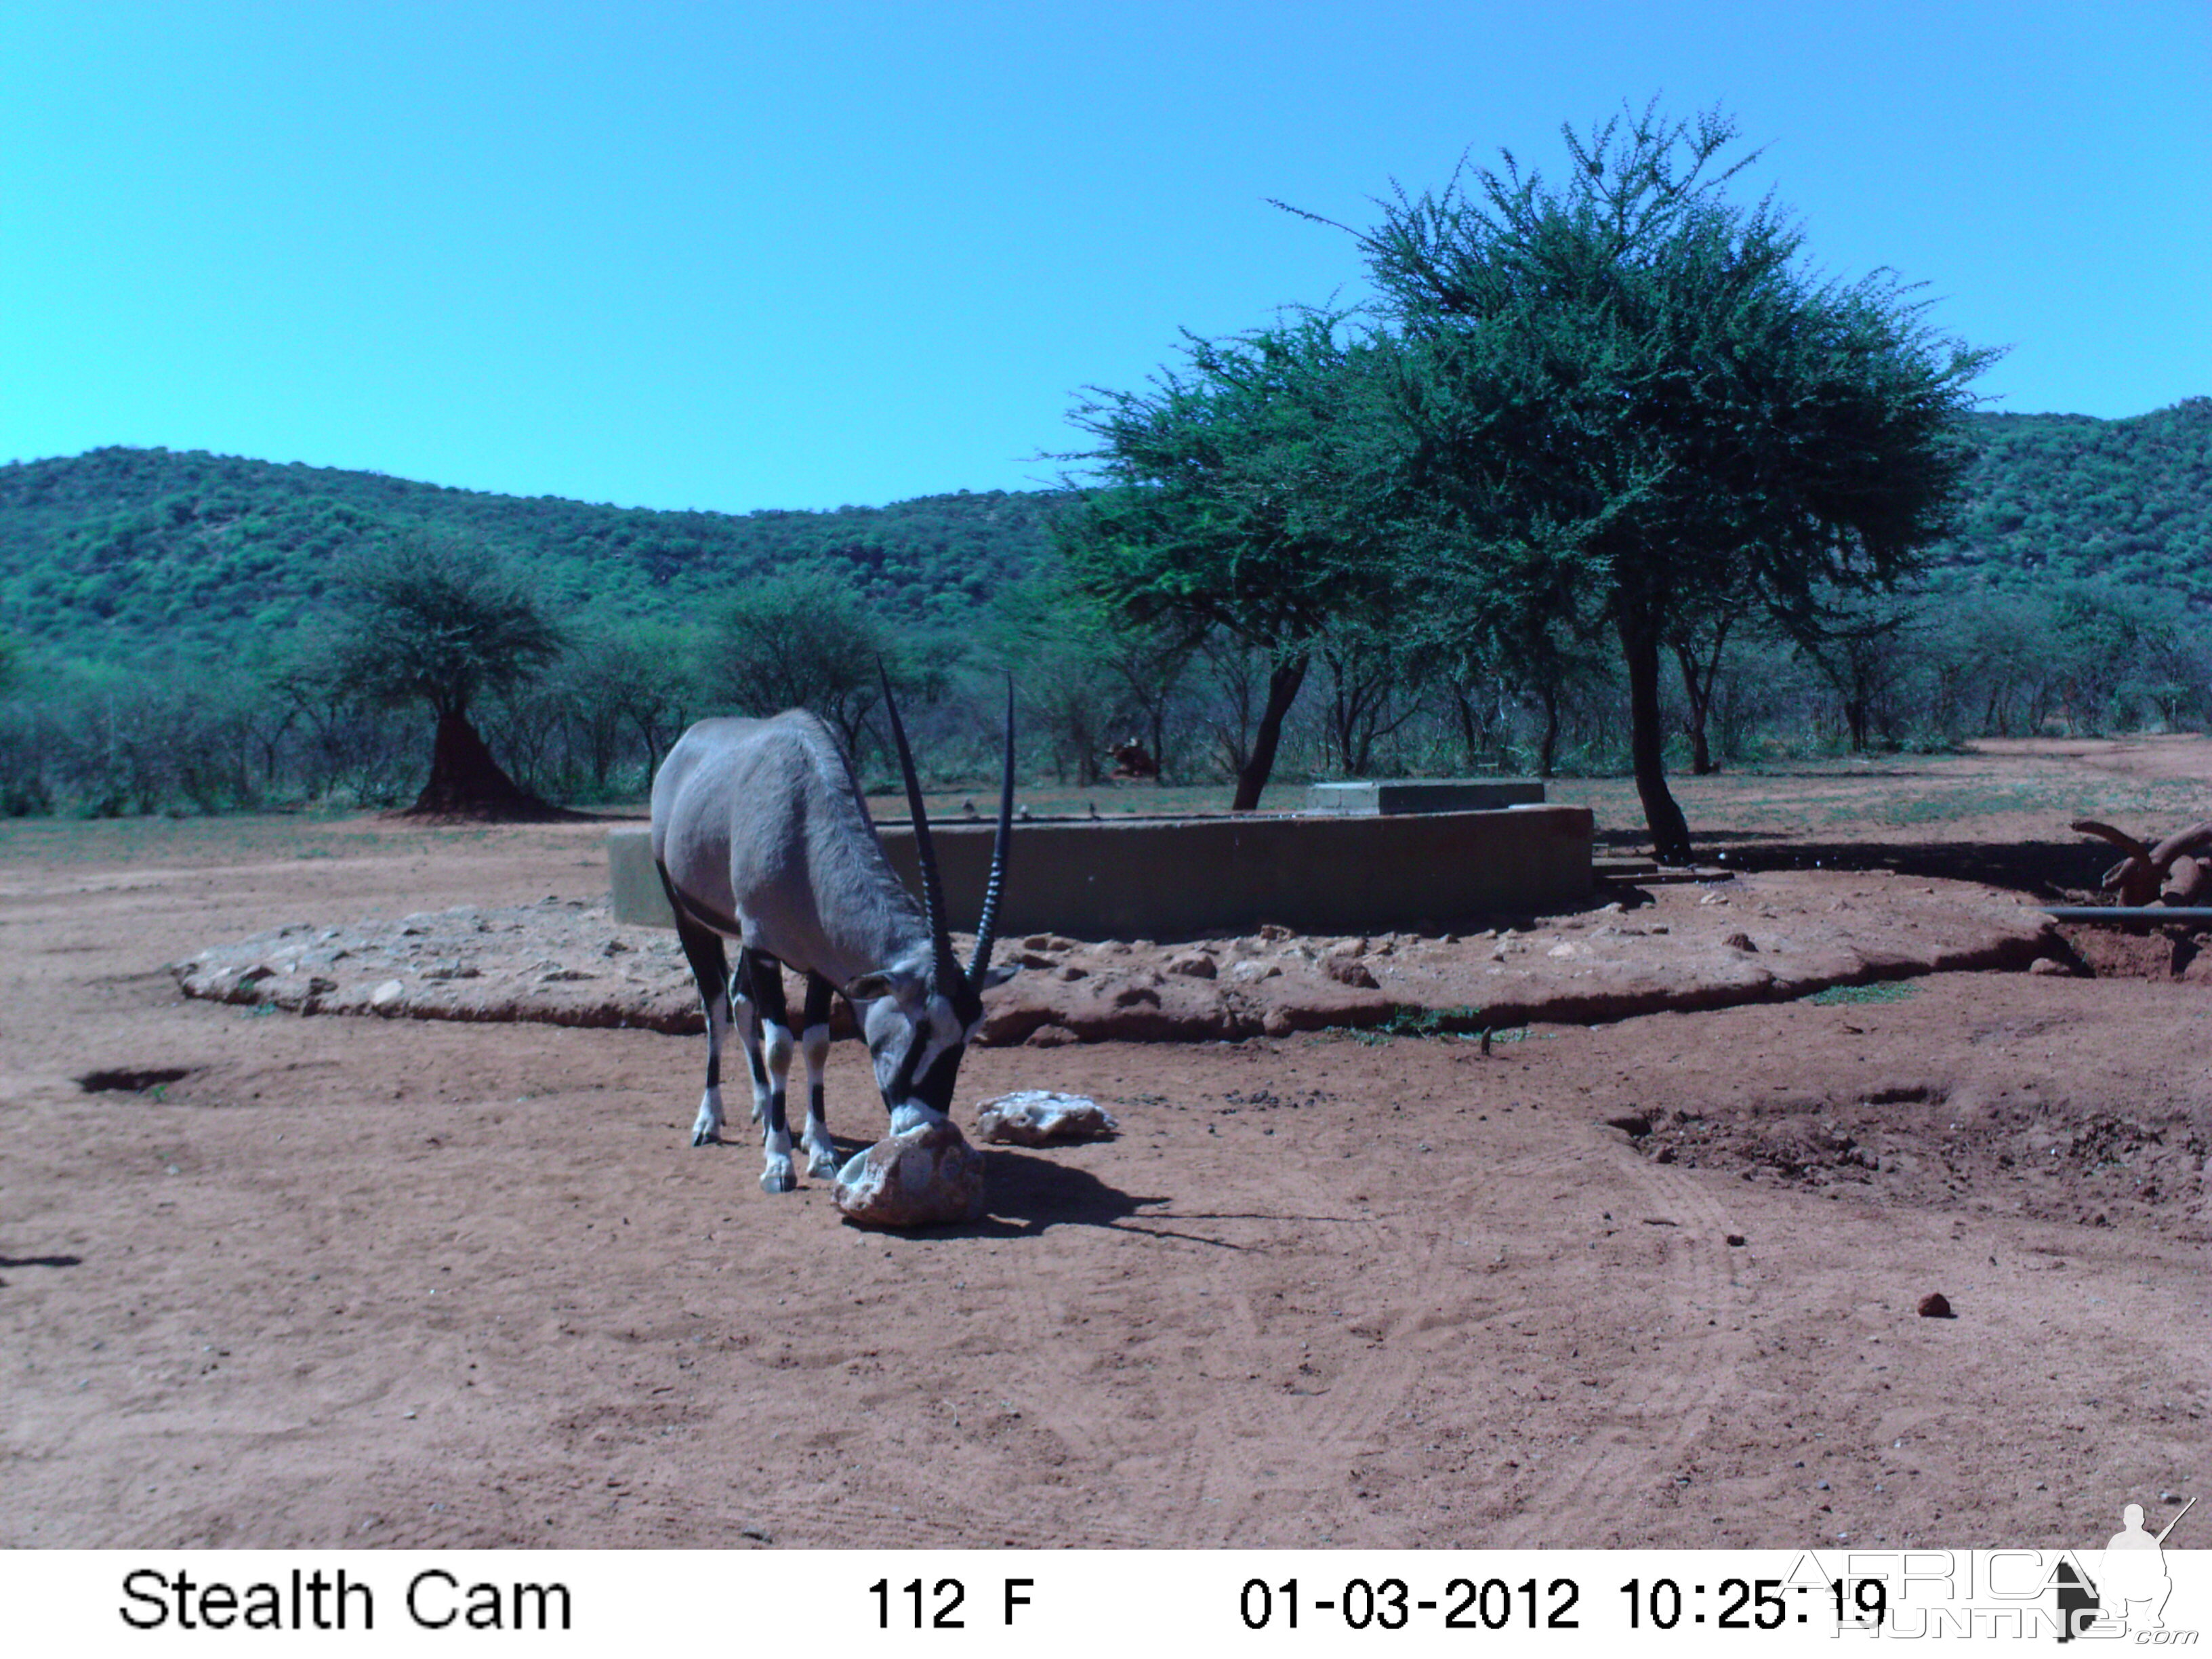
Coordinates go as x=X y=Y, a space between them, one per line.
x=1936 y=1305
x=1736 y=1241
x=925 y=1177
x=1350 y=970
x=389 y=994
x=1192 y=965
x=2048 y=966
x=1050 y=1036
x=1739 y=942
x=1042 y=1117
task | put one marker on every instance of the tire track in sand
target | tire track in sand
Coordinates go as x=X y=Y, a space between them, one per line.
x=1185 y=1461
x=1662 y=1409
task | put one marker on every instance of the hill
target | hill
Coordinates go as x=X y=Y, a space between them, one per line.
x=118 y=553
x=2069 y=497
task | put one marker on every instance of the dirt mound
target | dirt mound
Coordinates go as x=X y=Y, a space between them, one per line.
x=556 y=963
x=2170 y=952
x=1767 y=938
x=2062 y=1160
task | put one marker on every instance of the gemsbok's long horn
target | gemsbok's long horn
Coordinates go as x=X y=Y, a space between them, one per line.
x=925 y=852
x=987 y=927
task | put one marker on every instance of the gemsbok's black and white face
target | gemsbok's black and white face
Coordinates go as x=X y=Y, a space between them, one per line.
x=916 y=1036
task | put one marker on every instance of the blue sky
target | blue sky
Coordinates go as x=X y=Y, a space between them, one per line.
x=752 y=255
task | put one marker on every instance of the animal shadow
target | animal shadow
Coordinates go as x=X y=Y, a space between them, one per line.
x=38 y=1261
x=1029 y=1194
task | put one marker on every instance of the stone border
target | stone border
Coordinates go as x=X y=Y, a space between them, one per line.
x=1684 y=949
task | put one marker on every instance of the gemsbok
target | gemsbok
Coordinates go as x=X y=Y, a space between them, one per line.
x=762 y=835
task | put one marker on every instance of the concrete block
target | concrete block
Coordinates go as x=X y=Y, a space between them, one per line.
x=1369 y=797
x=1171 y=877
x=638 y=900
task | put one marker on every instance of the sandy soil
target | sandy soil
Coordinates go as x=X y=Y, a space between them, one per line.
x=1653 y=1281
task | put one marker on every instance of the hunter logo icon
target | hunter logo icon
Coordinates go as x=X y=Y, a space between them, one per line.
x=2131 y=1585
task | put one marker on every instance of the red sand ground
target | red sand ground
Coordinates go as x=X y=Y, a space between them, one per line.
x=389 y=1282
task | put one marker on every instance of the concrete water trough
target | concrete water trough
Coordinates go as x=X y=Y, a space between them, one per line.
x=1158 y=879
x=1369 y=798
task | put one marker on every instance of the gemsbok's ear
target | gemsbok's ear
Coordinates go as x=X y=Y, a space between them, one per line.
x=998 y=974
x=903 y=988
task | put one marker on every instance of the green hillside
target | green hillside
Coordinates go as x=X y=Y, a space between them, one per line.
x=122 y=554
x=114 y=553
x=2067 y=497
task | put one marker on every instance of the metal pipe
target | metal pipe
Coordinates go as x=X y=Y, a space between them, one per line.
x=2197 y=916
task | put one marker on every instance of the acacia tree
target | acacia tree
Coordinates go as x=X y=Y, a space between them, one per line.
x=1625 y=394
x=430 y=621
x=1239 y=497
x=808 y=640
x=631 y=678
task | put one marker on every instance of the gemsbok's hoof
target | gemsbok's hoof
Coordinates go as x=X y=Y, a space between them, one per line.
x=777 y=1177
x=706 y=1124
x=822 y=1164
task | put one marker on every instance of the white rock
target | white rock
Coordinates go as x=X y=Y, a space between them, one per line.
x=1038 y=1117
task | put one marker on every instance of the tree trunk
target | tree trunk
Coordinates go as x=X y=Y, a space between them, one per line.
x=1547 y=748
x=1647 y=738
x=647 y=730
x=466 y=781
x=1855 y=720
x=1464 y=707
x=1283 y=683
x=1698 y=681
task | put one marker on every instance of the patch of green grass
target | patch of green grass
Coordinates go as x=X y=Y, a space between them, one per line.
x=1465 y=1024
x=1433 y=1022
x=1886 y=990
